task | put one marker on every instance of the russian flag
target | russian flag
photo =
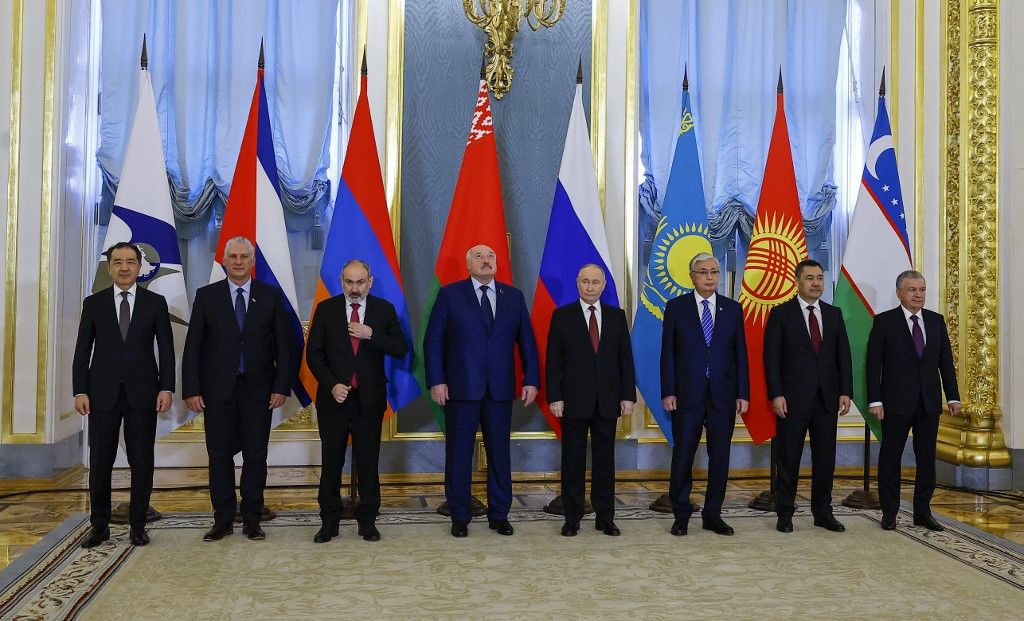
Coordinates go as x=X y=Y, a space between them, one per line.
x=575 y=237
x=254 y=210
x=361 y=229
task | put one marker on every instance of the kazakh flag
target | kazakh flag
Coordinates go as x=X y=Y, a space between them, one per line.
x=682 y=233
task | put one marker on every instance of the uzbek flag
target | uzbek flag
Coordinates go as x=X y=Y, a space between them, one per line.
x=254 y=210
x=777 y=244
x=877 y=251
x=576 y=236
x=361 y=229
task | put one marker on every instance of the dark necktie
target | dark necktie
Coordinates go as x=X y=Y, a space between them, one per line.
x=354 y=318
x=485 y=303
x=124 y=315
x=240 y=318
x=812 y=321
x=595 y=336
x=917 y=335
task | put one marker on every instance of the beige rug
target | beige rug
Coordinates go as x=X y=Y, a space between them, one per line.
x=418 y=571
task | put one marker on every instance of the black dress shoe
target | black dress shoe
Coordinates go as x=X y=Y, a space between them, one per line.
x=570 y=529
x=326 y=533
x=253 y=532
x=369 y=532
x=888 y=522
x=607 y=527
x=96 y=537
x=460 y=529
x=139 y=537
x=218 y=532
x=784 y=524
x=928 y=522
x=679 y=527
x=502 y=526
x=829 y=522
x=718 y=526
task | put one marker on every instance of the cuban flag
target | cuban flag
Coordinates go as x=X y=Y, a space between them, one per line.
x=575 y=237
x=254 y=210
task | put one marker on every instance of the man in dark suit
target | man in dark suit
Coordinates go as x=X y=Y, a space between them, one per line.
x=704 y=385
x=469 y=354
x=909 y=365
x=348 y=338
x=590 y=383
x=236 y=368
x=809 y=375
x=116 y=378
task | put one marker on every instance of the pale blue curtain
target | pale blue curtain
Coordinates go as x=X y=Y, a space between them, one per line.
x=733 y=51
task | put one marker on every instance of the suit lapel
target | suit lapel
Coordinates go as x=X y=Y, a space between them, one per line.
x=499 y=308
x=931 y=333
x=900 y=320
x=797 y=317
x=226 y=299
x=139 y=307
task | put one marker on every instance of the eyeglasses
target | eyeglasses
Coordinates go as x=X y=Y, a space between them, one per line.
x=706 y=273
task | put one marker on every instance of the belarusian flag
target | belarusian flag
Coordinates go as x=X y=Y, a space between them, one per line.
x=477 y=216
x=777 y=244
x=877 y=250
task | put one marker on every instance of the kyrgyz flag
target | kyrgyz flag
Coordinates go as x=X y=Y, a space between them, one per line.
x=361 y=229
x=877 y=250
x=477 y=216
x=254 y=210
x=777 y=244
x=576 y=236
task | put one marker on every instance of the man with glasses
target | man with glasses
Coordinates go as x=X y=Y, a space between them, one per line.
x=116 y=377
x=704 y=385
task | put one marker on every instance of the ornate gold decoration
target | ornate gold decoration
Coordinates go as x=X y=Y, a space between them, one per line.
x=500 y=20
x=303 y=420
x=971 y=205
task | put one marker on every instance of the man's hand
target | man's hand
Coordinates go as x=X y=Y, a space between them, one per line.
x=277 y=400
x=359 y=330
x=196 y=403
x=529 y=394
x=82 y=404
x=778 y=406
x=669 y=403
x=844 y=405
x=439 y=393
x=163 y=401
x=557 y=408
x=625 y=408
x=877 y=411
x=955 y=408
x=741 y=406
x=340 y=392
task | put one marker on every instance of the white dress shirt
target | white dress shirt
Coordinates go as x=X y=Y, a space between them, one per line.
x=807 y=315
x=711 y=306
x=131 y=300
x=361 y=310
x=586 y=314
x=233 y=288
x=492 y=293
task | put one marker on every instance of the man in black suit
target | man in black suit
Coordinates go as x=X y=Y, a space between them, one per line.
x=809 y=374
x=909 y=365
x=348 y=338
x=236 y=368
x=591 y=383
x=704 y=385
x=116 y=378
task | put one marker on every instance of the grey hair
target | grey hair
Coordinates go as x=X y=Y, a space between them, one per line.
x=593 y=265
x=469 y=253
x=359 y=262
x=703 y=256
x=241 y=239
x=913 y=274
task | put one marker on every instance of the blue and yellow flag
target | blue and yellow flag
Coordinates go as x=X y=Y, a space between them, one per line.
x=682 y=233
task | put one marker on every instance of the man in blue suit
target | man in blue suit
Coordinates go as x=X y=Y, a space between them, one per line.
x=468 y=350
x=704 y=384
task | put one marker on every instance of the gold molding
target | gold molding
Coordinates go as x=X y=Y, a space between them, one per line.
x=894 y=63
x=599 y=95
x=394 y=117
x=919 y=134
x=7 y=434
x=971 y=115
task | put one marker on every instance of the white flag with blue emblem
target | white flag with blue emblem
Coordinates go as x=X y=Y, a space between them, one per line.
x=142 y=215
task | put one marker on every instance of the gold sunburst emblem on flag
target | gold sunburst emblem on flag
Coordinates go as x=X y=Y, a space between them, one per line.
x=776 y=246
x=668 y=274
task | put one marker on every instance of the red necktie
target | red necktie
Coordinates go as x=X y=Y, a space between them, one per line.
x=812 y=320
x=355 y=342
x=595 y=338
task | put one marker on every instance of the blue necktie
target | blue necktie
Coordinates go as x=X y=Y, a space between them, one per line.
x=708 y=325
x=240 y=318
x=485 y=303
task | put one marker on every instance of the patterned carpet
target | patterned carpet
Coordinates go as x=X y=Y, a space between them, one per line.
x=419 y=572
